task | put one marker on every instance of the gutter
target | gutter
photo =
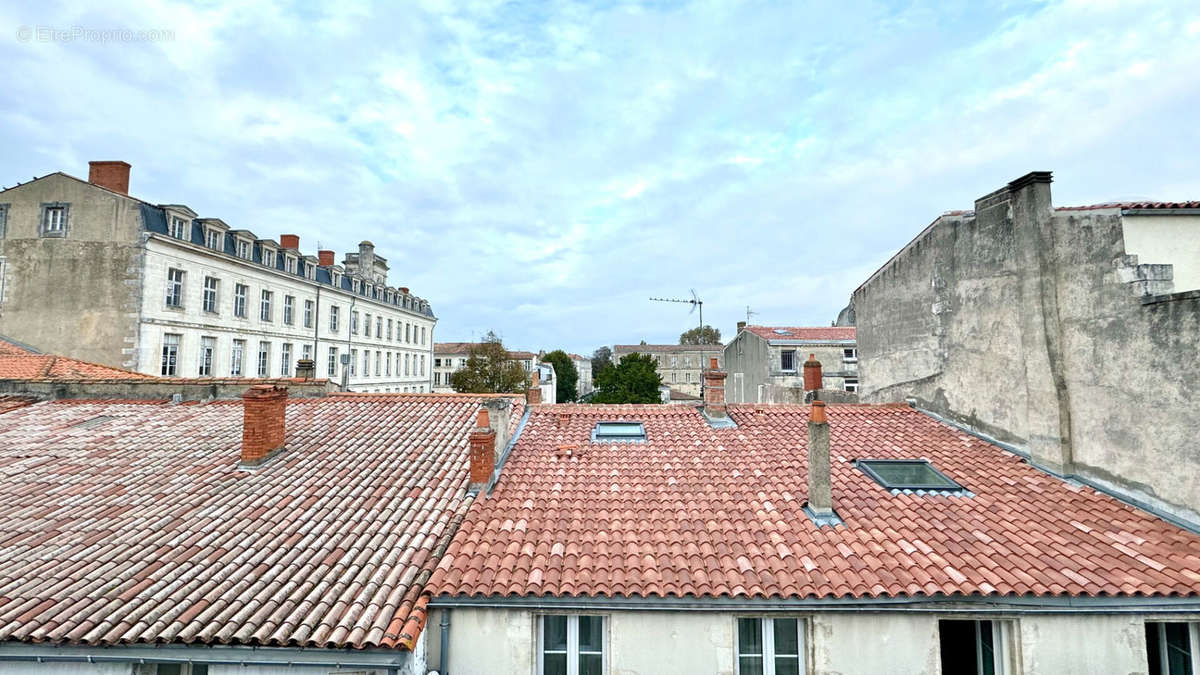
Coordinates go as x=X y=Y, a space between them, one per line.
x=292 y=657
x=976 y=604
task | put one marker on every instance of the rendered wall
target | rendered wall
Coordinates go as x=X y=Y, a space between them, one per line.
x=1036 y=327
x=755 y=375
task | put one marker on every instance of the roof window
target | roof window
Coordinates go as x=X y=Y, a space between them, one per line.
x=619 y=432
x=907 y=474
x=781 y=331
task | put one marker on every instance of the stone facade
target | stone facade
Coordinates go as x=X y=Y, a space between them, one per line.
x=158 y=290
x=1050 y=330
x=765 y=362
x=681 y=367
x=583 y=365
x=450 y=356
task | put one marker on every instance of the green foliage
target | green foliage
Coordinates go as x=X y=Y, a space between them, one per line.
x=567 y=374
x=700 y=336
x=489 y=370
x=600 y=358
x=634 y=380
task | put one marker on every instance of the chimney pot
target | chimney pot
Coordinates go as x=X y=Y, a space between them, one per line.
x=113 y=175
x=404 y=290
x=325 y=258
x=291 y=241
x=714 y=391
x=820 y=490
x=741 y=325
x=264 y=408
x=812 y=373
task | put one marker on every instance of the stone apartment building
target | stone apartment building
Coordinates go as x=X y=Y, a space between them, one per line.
x=90 y=272
x=583 y=365
x=1068 y=334
x=450 y=356
x=681 y=367
x=765 y=363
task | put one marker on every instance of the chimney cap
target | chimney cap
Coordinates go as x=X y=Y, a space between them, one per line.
x=817 y=413
x=481 y=419
x=264 y=391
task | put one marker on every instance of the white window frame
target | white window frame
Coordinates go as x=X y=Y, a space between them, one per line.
x=264 y=358
x=289 y=264
x=354 y=323
x=308 y=313
x=178 y=228
x=1194 y=646
x=174 y=296
x=210 y=298
x=240 y=297
x=331 y=368
x=266 y=299
x=268 y=257
x=572 y=642
x=333 y=318
x=237 y=359
x=767 y=625
x=54 y=220
x=208 y=356
x=787 y=370
x=850 y=354
x=171 y=345
x=214 y=239
x=245 y=250
x=285 y=360
x=289 y=310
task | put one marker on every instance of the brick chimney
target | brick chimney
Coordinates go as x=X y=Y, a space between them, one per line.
x=325 y=258
x=741 y=326
x=812 y=374
x=533 y=395
x=714 y=390
x=291 y=241
x=264 y=407
x=820 y=490
x=404 y=290
x=111 y=175
x=483 y=452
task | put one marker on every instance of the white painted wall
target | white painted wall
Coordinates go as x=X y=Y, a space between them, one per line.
x=868 y=643
x=1082 y=645
x=1166 y=239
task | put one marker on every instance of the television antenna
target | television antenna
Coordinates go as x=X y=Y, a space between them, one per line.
x=695 y=302
x=749 y=314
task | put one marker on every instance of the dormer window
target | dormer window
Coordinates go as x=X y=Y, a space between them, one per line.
x=310 y=271
x=355 y=285
x=178 y=228
x=244 y=250
x=268 y=257
x=289 y=264
x=337 y=280
x=215 y=239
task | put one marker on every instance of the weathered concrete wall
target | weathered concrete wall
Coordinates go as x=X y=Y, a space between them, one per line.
x=159 y=389
x=1028 y=324
x=868 y=643
x=76 y=295
x=755 y=375
x=1082 y=645
x=1173 y=241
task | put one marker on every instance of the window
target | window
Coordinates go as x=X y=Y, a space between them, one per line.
x=3 y=220
x=289 y=309
x=571 y=645
x=178 y=228
x=388 y=371
x=1173 y=648
x=378 y=327
x=237 y=357
x=307 y=352
x=850 y=355
x=770 y=646
x=208 y=348
x=333 y=354
x=389 y=333
x=906 y=474
x=173 y=669
x=408 y=333
x=333 y=318
x=308 y=313
x=354 y=323
x=285 y=360
x=406 y=360
x=268 y=257
x=607 y=432
x=264 y=311
x=170 y=354
x=264 y=359
x=422 y=334
x=336 y=280
x=851 y=384
x=215 y=239
x=674 y=361
x=787 y=360
x=422 y=365
x=974 y=647
x=289 y=264
x=437 y=379
x=366 y=363
x=437 y=363
x=239 y=300
x=354 y=285
x=174 y=287
x=54 y=220
x=378 y=360
x=244 y=249
x=353 y=363
x=210 y=294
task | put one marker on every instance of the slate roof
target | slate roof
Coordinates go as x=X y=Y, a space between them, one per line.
x=701 y=512
x=772 y=334
x=128 y=522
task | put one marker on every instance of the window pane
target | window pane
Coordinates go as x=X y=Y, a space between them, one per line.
x=750 y=665
x=750 y=636
x=1152 y=649
x=900 y=474
x=786 y=639
x=554 y=637
x=554 y=664
x=1179 y=653
x=591 y=664
x=168 y=669
x=591 y=636
x=787 y=665
x=987 y=648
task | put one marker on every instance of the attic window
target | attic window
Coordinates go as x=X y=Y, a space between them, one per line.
x=620 y=432
x=907 y=474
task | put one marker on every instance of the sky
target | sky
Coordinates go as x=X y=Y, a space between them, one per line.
x=542 y=169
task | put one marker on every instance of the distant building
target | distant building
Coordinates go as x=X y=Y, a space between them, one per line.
x=451 y=356
x=680 y=366
x=1070 y=334
x=765 y=363
x=91 y=273
x=583 y=366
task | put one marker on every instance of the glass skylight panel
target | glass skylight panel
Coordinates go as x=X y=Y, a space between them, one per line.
x=905 y=474
x=618 y=431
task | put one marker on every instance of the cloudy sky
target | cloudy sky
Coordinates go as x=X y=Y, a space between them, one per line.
x=542 y=169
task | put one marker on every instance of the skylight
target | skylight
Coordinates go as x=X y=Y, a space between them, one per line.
x=629 y=432
x=907 y=474
x=780 y=331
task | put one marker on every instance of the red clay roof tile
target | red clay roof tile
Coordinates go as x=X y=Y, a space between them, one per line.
x=804 y=332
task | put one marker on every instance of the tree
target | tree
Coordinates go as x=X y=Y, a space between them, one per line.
x=700 y=336
x=634 y=380
x=567 y=374
x=600 y=358
x=489 y=370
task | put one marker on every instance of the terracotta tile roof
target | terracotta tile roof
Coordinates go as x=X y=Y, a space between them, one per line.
x=8 y=402
x=697 y=511
x=128 y=522
x=51 y=367
x=456 y=348
x=772 y=333
x=1132 y=205
x=651 y=349
x=9 y=347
